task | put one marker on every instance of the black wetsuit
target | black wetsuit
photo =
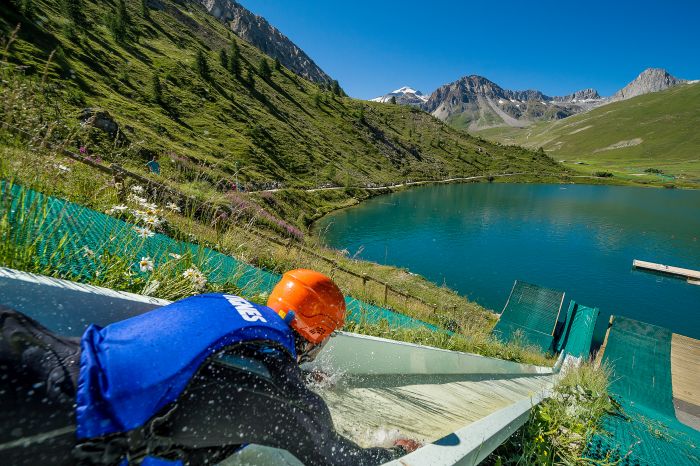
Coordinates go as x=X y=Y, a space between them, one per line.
x=251 y=393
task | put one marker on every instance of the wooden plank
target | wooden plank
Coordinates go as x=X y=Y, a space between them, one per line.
x=601 y=350
x=685 y=365
x=667 y=269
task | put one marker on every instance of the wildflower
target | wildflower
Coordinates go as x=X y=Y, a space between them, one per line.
x=62 y=168
x=173 y=207
x=152 y=221
x=144 y=232
x=139 y=214
x=87 y=252
x=177 y=257
x=146 y=264
x=136 y=189
x=196 y=277
x=116 y=209
x=137 y=199
x=83 y=149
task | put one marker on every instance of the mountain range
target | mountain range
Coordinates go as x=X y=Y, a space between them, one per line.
x=476 y=103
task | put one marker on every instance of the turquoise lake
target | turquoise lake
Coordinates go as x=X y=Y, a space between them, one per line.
x=479 y=238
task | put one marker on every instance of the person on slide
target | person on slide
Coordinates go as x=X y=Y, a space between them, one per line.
x=191 y=382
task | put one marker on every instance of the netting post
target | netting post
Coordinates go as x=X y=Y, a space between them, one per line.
x=386 y=293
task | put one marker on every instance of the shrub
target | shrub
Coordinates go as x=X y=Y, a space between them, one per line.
x=202 y=65
x=603 y=174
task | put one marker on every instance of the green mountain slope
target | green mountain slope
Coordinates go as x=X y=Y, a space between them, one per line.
x=273 y=128
x=654 y=131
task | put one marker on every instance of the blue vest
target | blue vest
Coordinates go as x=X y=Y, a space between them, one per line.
x=130 y=370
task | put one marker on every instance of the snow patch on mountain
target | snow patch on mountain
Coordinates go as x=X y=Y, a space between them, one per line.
x=404 y=96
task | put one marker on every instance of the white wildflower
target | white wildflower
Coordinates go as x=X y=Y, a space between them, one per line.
x=136 y=189
x=173 y=207
x=150 y=207
x=116 y=209
x=62 y=168
x=137 y=199
x=196 y=277
x=177 y=257
x=152 y=221
x=146 y=264
x=144 y=232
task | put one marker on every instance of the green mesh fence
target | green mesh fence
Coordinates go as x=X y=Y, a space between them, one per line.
x=531 y=313
x=646 y=431
x=66 y=238
x=577 y=336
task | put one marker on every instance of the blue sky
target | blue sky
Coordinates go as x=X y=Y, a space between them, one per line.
x=373 y=47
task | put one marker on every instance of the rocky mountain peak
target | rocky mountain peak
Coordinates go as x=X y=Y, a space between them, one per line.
x=475 y=102
x=580 y=96
x=404 y=96
x=650 y=80
x=259 y=32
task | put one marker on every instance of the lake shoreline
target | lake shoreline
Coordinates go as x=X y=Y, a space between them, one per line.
x=618 y=224
x=515 y=178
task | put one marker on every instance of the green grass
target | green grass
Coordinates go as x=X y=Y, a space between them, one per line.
x=657 y=131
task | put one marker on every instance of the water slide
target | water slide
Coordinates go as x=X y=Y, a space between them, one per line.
x=461 y=406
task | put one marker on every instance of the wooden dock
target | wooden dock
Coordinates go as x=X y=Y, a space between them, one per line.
x=692 y=276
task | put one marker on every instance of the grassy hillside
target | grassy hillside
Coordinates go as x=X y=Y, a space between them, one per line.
x=655 y=132
x=208 y=126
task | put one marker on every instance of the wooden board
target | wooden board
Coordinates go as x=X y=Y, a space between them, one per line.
x=685 y=373
x=601 y=350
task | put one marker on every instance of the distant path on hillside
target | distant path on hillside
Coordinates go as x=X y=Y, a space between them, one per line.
x=400 y=185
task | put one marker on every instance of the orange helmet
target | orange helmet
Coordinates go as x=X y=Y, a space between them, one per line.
x=318 y=304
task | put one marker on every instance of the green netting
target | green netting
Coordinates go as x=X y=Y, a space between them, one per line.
x=508 y=331
x=646 y=432
x=61 y=231
x=577 y=336
x=530 y=313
